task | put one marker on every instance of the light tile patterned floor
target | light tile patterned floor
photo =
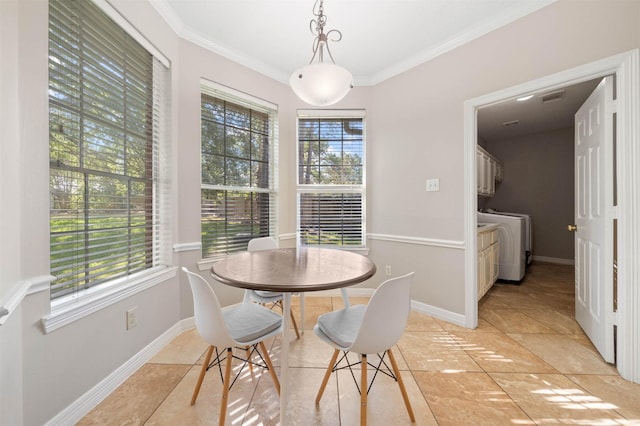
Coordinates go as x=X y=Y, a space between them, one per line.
x=527 y=363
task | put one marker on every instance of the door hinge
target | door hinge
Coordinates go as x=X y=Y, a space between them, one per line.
x=612 y=318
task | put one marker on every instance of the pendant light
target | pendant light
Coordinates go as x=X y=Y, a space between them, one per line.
x=321 y=83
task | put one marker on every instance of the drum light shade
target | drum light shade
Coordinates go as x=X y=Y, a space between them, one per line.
x=321 y=84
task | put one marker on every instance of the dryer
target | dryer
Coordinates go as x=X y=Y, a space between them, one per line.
x=511 y=235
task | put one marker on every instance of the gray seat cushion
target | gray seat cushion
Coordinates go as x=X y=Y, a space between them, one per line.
x=342 y=326
x=249 y=321
x=264 y=293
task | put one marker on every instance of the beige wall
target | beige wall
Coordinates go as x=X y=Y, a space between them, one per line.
x=414 y=129
x=539 y=181
x=417 y=124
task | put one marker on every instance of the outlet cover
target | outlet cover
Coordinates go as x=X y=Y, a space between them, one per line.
x=132 y=318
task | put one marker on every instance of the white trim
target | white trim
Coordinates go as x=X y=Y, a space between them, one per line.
x=85 y=403
x=628 y=166
x=434 y=311
x=132 y=31
x=287 y=236
x=68 y=309
x=556 y=260
x=626 y=67
x=510 y=14
x=30 y=286
x=180 y=247
x=220 y=90
x=331 y=113
x=453 y=244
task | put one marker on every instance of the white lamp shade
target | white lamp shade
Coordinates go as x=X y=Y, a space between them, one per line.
x=321 y=84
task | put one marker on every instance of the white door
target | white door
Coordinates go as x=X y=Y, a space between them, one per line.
x=593 y=217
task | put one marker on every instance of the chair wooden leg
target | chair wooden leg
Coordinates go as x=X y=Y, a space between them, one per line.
x=407 y=403
x=248 y=352
x=363 y=391
x=295 y=326
x=225 y=390
x=203 y=371
x=272 y=371
x=327 y=374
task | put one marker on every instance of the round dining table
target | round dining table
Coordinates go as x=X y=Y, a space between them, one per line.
x=292 y=270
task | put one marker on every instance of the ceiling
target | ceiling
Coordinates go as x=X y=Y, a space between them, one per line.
x=380 y=39
x=546 y=110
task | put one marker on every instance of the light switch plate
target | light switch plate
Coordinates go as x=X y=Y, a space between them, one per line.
x=433 y=185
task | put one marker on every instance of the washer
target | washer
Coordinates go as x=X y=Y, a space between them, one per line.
x=528 y=223
x=511 y=234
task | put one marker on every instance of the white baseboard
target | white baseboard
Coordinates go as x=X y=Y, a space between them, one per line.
x=557 y=260
x=443 y=314
x=81 y=406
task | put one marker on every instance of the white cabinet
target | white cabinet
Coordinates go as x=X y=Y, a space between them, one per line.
x=489 y=170
x=488 y=252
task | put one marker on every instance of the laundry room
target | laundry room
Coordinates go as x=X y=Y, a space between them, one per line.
x=532 y=138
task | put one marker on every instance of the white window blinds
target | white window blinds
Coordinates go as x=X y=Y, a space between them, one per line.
x=106 y=103
x=331 y=179
x=238 y=163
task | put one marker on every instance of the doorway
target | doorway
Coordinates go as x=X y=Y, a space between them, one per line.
x=534 y=139
x=625 y=67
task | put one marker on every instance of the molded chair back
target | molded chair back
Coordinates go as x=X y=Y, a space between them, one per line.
x=208 y=313
x=371 y=329
x=262 y=243
x=244 y=324
x=386 y=316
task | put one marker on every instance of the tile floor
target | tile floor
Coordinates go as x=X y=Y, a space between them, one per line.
x=527 y=363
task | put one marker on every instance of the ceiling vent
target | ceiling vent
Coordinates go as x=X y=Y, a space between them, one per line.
x=511 y=123
x=553 y=96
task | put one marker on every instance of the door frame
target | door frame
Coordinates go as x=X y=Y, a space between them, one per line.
x=626 y=67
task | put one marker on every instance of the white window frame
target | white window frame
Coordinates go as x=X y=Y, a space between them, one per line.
x=228 y=94
x=332 y=188
x=69 y=308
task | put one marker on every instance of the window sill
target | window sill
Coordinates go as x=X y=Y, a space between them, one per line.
x=71 y=308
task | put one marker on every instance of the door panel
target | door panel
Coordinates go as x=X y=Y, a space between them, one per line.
x=593 y=238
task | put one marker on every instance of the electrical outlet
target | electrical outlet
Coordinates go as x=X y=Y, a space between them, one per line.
x=132 y=318
x=387 y=270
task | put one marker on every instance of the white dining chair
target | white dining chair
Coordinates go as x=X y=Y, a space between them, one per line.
x=244 y=325
x=268 y=297
x=369 y=329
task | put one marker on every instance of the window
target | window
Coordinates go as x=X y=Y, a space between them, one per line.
x=238 y=194
x=331 y=178
x=106 y=103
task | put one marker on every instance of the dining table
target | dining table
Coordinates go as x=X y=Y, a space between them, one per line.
x=292 y=270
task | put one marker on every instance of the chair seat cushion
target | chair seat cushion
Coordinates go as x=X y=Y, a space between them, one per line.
x=247 y=321
x=342 y=326
x=264 y=293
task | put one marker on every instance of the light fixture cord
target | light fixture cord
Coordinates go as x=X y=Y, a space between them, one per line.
x=317 y=28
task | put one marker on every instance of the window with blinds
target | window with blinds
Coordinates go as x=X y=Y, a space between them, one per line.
x=105 y=105
x=331 y=179
x=238 y=194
